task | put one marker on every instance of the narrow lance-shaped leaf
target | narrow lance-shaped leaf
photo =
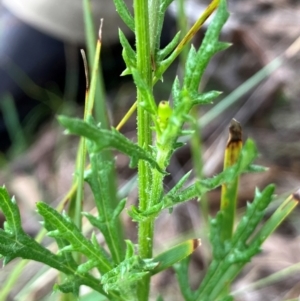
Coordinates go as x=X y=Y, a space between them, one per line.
x=175 y=254
x=105 y=139
x=163 y=53
x=107 y=219
x=248 y=154
x=67 y=230
x=130 y=55
x=124 y=13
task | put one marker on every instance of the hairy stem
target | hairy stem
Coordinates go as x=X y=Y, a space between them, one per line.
x=145 y=233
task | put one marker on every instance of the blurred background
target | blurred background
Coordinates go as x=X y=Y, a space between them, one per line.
x=41 y=75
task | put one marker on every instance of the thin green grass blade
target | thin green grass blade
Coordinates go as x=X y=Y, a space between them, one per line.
x=175 y=254
x=240 y=91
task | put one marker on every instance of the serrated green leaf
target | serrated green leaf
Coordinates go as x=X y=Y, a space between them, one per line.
x=72 y=285
x=108 y=139
x=190 y=66
x=220 y=46
x=68 y=231
x=248 y=154
x=162 y=66
x=230 y=256
x=198 y=61
x=26 y=247
x=129 y=54
x=107 y=220
x=126 y=275
x=253 y=215
x=17 y=243
x=11 y=212
x=196 y=190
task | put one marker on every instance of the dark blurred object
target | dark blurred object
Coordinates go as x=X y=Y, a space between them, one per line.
x=38 y=57
x=39 y=54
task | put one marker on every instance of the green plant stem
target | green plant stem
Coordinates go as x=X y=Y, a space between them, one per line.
x=145 y=231
x=107 y=176
x=187 y=38
x=240 y=91
x=273 y=278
